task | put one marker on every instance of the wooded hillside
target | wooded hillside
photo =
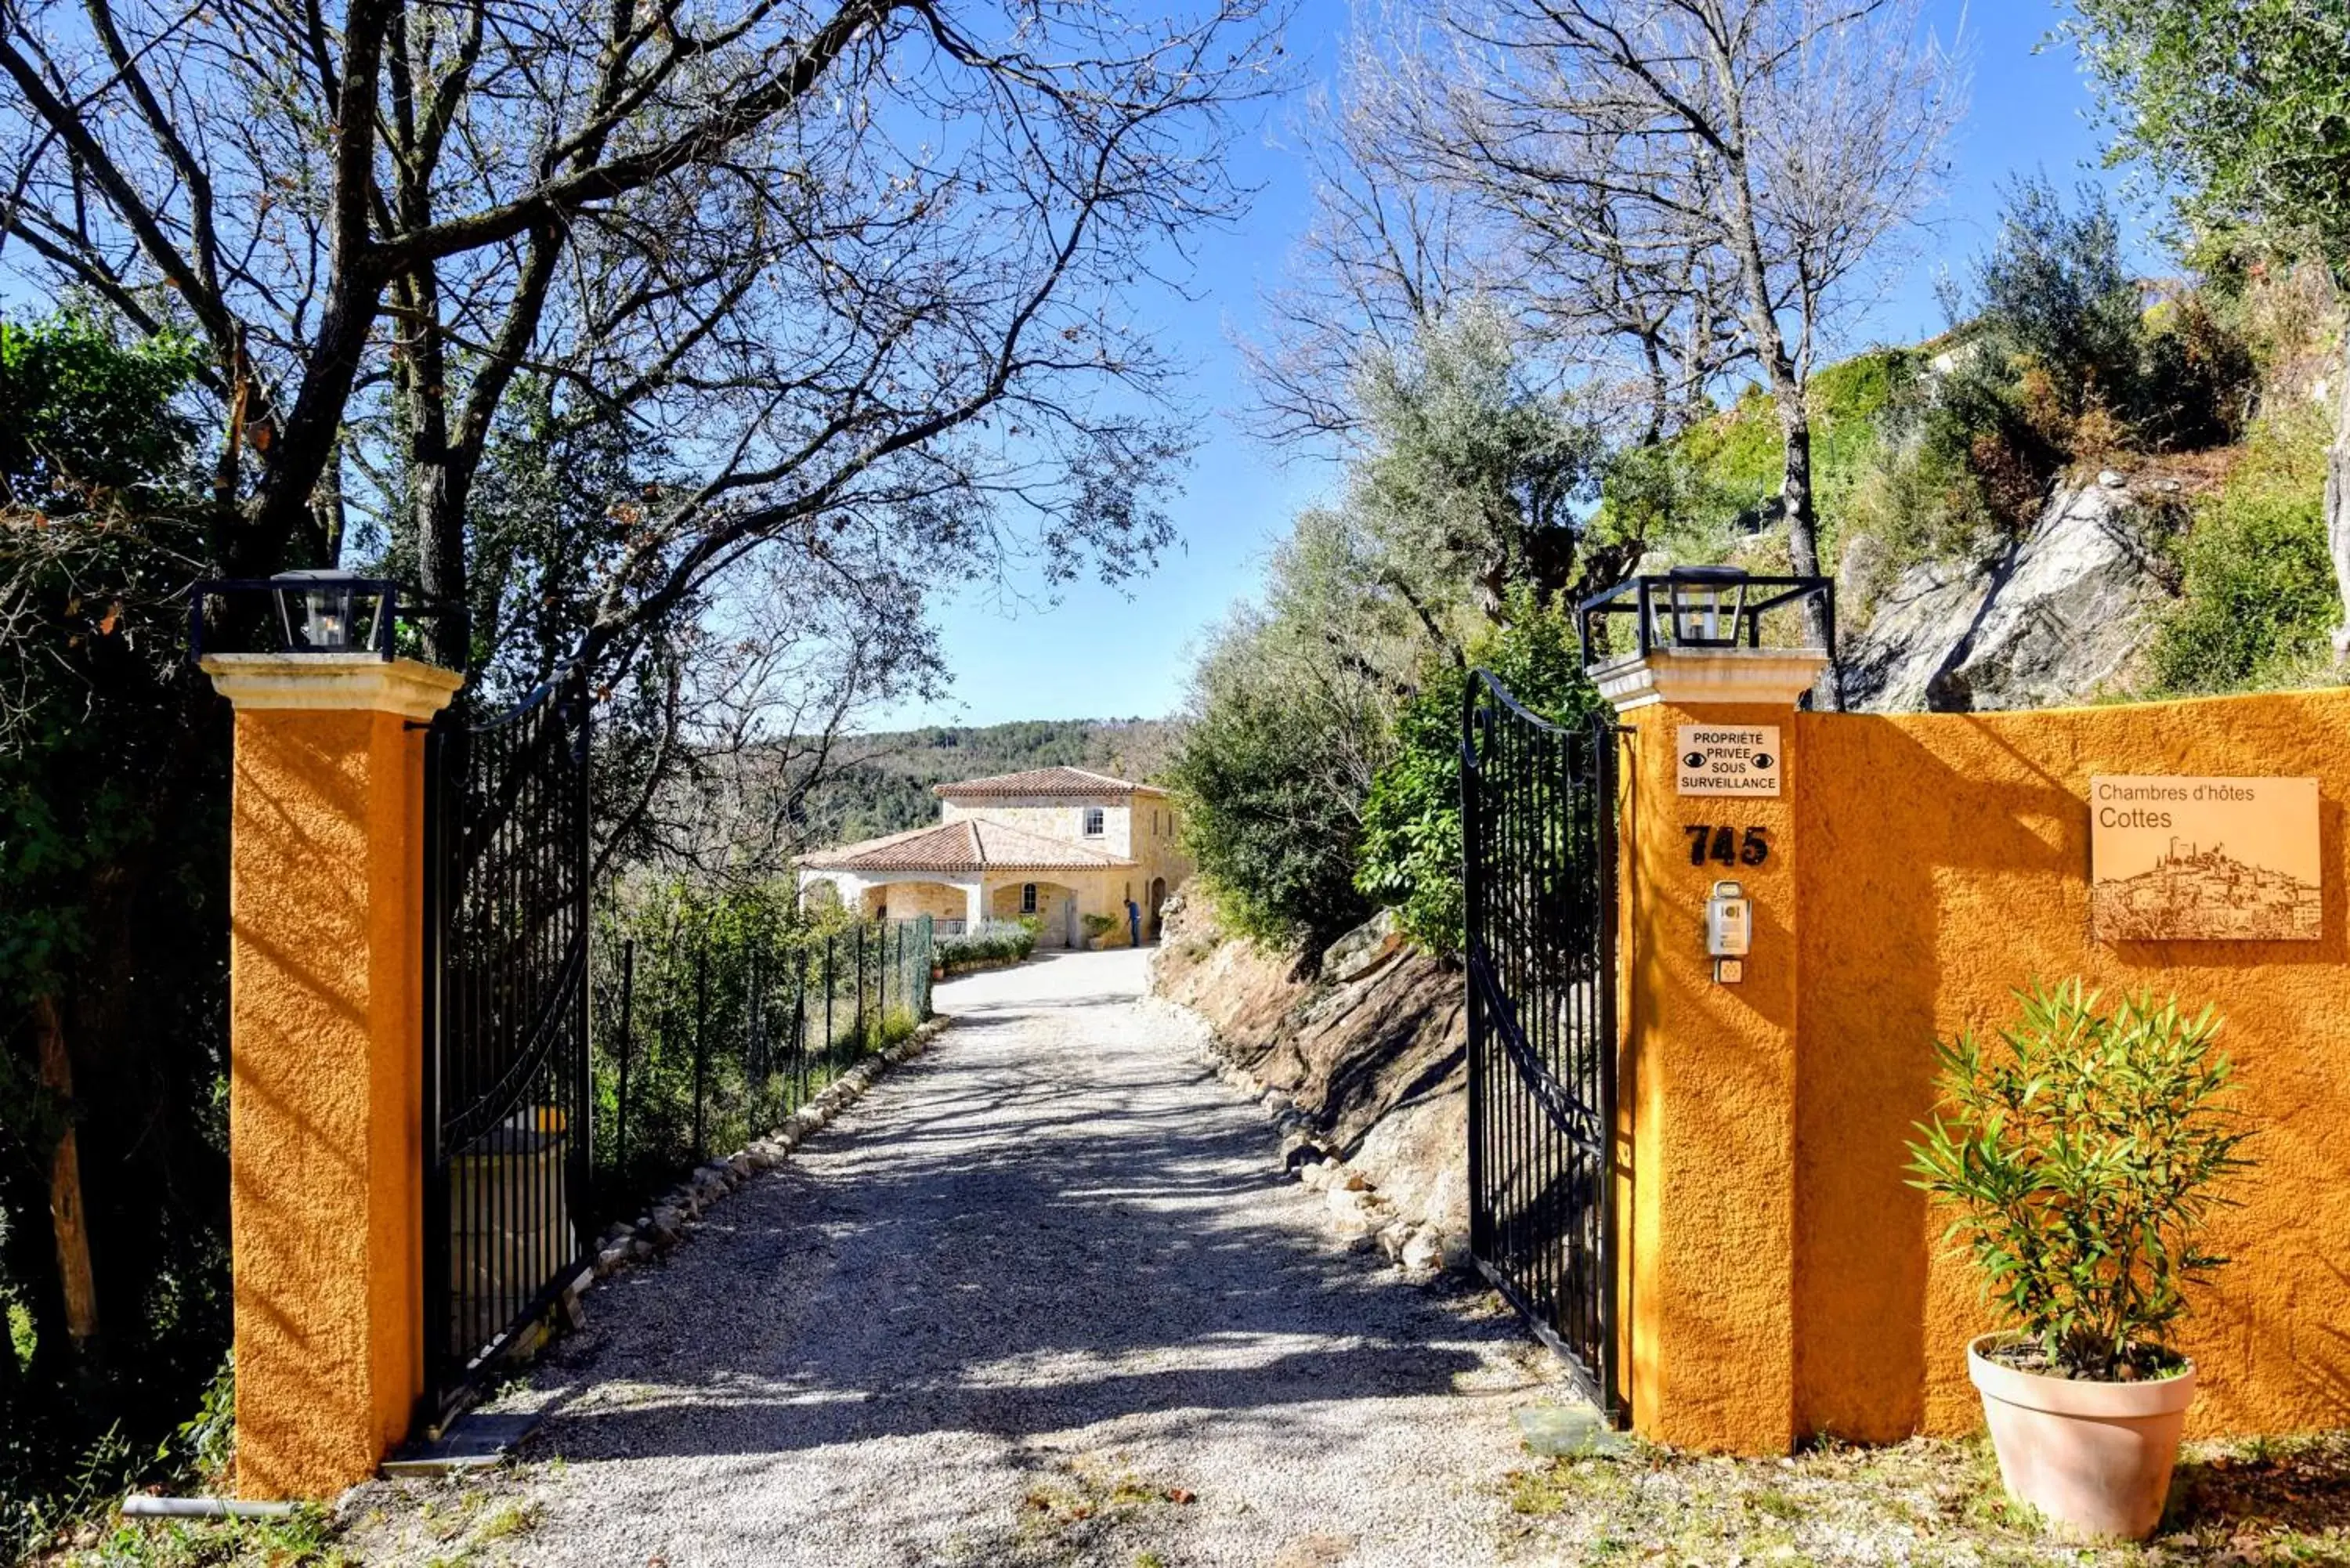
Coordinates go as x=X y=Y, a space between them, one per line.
x=885 y=784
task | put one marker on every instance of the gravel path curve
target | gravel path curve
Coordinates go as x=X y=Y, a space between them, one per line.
x=1038 y=1298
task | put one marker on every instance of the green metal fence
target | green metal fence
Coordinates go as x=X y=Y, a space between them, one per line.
x=702 y=1043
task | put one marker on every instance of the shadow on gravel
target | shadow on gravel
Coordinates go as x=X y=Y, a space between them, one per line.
x=992 y=1250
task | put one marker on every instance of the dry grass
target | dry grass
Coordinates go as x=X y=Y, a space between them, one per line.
x=1922 y=1502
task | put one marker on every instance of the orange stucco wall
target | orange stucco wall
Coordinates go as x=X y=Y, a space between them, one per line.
x=325 y=1112
x=1711 y=1083
x=1946 y=861
x=1785 y=1280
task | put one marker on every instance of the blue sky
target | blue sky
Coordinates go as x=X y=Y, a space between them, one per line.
x=1101 y=652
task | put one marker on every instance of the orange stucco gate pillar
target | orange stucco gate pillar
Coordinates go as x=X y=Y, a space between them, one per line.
x=1711 y=1055
x=326 y=1151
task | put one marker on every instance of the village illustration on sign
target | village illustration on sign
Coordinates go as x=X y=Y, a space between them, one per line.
x=2204 y=859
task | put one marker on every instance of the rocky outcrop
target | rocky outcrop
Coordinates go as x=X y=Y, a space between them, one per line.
x=1373 y=1062
x=2056 y=617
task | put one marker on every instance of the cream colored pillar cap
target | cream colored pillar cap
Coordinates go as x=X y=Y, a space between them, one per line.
x=1689 y=678
x=332 y=681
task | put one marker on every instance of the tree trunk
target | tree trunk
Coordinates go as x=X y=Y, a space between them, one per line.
x=283 y=516
x=1803 y=529
x=439 y=479
x=67 y=1218
x=2338 y=505
x=1770 y=346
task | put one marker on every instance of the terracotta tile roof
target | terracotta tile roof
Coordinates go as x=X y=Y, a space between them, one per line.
x=1071 y=784
x=949 y=847
x=973 y=843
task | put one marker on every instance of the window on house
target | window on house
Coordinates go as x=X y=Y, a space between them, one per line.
x=1027 y=897
x=1093 y=822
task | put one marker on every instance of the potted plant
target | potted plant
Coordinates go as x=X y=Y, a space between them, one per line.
x=1097 y=931
x=2083 y=1159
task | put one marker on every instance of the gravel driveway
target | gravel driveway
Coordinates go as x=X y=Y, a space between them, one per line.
x=1038 y=1298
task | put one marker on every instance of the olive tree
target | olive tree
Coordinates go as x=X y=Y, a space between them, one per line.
x=1464 y=521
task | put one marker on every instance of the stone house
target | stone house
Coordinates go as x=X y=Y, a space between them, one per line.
x=1054 y=844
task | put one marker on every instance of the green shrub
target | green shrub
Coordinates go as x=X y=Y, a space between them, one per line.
x=2057 y=300
x=1411 y=821
x=1265 y=783
x=992 y=942
x=113 y=842
x=2198 y=375
x=1697 y=495
x=1919 y=497
x=2083 y=1159
x=2257 y=598
x=1098 y=926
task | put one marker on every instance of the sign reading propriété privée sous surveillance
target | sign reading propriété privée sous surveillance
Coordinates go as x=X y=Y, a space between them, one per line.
x=1722 y=759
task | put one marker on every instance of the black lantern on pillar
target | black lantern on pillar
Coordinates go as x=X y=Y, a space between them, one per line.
x=1705 y=604
x=1691 y=608
x=306 y=613
x=334 y=612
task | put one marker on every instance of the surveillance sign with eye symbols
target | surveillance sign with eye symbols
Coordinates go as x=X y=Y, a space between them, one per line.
x=1719 y=759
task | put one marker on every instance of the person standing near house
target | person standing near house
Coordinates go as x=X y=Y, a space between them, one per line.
x=1134 y=920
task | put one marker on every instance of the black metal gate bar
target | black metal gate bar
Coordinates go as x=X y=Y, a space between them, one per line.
x=507 y=1098
x=1538 y=828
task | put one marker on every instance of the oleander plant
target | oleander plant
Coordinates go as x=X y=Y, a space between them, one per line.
x=2086 y=1154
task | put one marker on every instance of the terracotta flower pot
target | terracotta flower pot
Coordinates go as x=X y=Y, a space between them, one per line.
x=2096 y=1458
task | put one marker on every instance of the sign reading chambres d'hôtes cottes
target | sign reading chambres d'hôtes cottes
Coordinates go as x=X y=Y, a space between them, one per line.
x=2204 y=859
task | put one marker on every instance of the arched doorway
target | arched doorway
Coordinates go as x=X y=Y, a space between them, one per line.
x=1158 y=901
x=944 y=902
x=1052 y=906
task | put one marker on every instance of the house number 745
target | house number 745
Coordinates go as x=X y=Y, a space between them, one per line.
x=1727 y=845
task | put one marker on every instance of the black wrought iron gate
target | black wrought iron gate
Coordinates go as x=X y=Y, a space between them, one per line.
x=507 y=1089
x=1538 y=821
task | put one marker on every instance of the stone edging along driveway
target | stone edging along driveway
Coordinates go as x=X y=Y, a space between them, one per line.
x=1360 y=1217
x=663 y=1224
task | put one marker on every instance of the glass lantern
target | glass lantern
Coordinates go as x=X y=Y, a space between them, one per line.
x=1705 y=604
x=331 y=611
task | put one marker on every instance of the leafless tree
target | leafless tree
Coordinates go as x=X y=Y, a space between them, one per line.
x=1709 y=181
x=854 y=265
x=1409 y=224
x=761 y=718
x=1383 y=257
